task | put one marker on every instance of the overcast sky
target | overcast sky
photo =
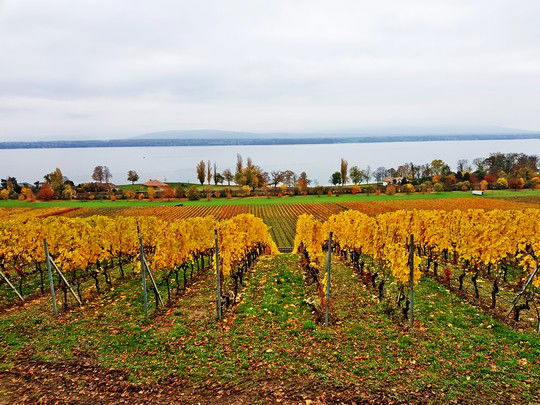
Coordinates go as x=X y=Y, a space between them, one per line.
x=115 y=68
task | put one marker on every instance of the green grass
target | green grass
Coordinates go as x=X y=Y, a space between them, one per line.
x=264 y=201
x=142 y=187
x=456 y=353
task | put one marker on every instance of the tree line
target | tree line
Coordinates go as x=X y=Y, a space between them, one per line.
x=498 y=171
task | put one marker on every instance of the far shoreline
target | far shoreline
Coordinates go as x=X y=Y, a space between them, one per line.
x=115 y=143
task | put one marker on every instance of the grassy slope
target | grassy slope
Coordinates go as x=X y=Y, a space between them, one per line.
x=142 y=187
x=272 y=348
x=263 y=201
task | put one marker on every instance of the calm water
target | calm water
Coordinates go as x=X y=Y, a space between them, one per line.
x=178 y=163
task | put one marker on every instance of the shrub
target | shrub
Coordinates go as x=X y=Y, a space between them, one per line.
x=45 y=192
x=369 y=189
x=501 y=183
x=246 y=191
x=355 y=189
x=140 y=196
x=280 y=195
x=68 y=193
x=27 y=194
x=229 y=196
x=113 y=197
x=168 y=192
x=409 y=188
x=319 y=190
x=180 y=192
x=129 y=194
x=4 y=194
x=91 y=197
x=390 y=189
x=484 y=185
x=193 y=193
x=426 y=186
x=151 y=193
x=463 y=186
x=438 y=187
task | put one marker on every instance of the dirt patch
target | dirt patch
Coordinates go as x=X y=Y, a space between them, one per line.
x=38 y=382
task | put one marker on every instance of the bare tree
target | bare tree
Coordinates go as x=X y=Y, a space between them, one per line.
x=463 y=165
x=97 y=175
x=380 y=173
x=276 y=177
x=227 y=175
x=107 y=175
x=216 y=179
x=289 y=178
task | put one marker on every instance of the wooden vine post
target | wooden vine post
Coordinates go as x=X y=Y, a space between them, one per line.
x=411 y=280
x=51 y=280
x=328 y=287
x=218 y=279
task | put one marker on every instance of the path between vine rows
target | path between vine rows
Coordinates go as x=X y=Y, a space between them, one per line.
x=269 y=349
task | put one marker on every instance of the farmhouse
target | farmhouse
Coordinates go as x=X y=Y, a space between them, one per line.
x=156 y=184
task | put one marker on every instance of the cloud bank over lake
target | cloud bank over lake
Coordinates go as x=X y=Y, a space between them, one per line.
x=102 y=69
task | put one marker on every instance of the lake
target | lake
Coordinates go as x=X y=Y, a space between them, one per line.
x=177 y=164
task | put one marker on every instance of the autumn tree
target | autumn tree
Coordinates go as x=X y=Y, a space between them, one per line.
x=250 y=174
x=132 y=176
x=209 y=172
x=439 y=168
x=10 y=184
x=68 y=193
x=46 y=193
x=228 y=175
x=343 y=171
x=201 y=171
x=56 y=179
x=304 y=179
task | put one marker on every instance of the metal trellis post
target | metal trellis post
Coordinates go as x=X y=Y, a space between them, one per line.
x=51 y=280
x=328 y=287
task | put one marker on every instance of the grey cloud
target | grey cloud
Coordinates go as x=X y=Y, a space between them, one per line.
x=125 y=67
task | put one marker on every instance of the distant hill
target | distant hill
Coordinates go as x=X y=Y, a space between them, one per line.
x=338 y=133
x=212 y=137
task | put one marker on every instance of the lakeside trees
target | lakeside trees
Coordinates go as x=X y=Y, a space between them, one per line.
x=498 y=171
x=101 y=174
